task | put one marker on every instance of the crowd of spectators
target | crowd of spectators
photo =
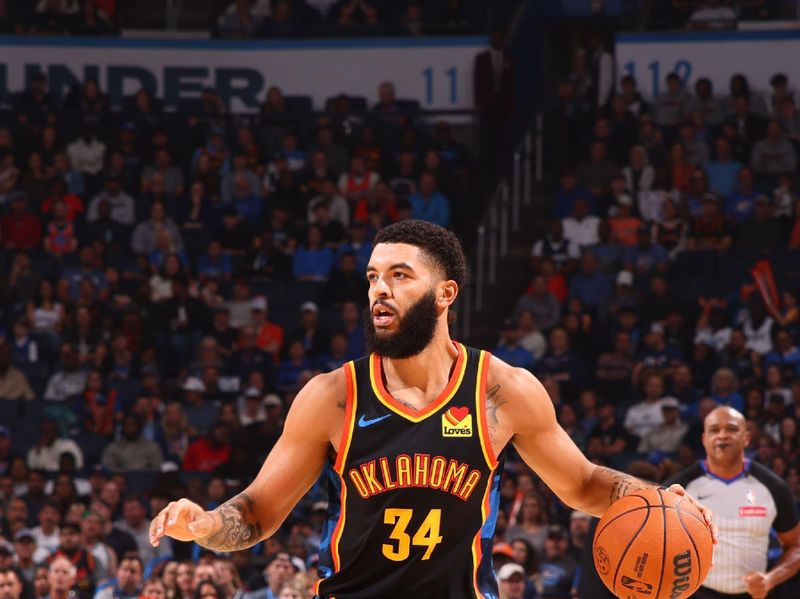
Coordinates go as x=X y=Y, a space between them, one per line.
x=631 y=332
x=285 y=18
x=711 y=15
x=169 y=282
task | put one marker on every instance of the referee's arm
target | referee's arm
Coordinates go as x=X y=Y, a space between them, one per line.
x=758 y=584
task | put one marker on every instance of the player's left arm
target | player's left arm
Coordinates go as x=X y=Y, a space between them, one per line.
x=759 y=584
x=519 y=409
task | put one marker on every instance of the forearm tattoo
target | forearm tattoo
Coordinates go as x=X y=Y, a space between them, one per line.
x=622 y=484
x=240 y=528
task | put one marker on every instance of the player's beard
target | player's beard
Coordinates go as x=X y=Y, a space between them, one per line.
x=415 y=330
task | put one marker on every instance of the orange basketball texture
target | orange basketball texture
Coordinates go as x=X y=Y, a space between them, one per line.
x=653 y=544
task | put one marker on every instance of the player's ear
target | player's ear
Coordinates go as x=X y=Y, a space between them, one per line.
x=446 y=293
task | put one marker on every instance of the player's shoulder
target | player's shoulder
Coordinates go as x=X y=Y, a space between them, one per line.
x=325 y=390
x=518 y=387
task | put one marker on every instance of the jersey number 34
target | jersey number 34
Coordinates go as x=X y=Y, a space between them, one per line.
x=427 y=534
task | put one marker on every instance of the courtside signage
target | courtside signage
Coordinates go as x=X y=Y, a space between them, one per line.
x=435 y=72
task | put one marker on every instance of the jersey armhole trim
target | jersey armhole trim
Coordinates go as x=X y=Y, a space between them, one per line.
x=351 y=399
x=480 y=406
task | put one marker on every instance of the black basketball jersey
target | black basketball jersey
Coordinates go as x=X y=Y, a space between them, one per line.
x=413 y=496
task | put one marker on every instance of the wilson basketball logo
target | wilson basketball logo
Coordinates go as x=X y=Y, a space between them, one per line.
x=457 y=422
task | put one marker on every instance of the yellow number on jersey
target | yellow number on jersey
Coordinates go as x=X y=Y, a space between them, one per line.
x=427 y=534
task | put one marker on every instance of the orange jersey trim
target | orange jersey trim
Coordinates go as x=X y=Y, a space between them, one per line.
x=477 y=550
x=376 y=379
x=351 y=399
x=480 y=404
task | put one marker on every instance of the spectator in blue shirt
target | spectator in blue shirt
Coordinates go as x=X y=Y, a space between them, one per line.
x=646 y=257
x=740 y=205
x=509 y=350
x=567 y=193
x=214 y=264
x=428 y=204
x=313 y=261
x=785 y=353
x=590 y=286
x=723 y=170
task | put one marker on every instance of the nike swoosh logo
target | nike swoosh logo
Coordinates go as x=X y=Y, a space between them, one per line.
x=364 y=423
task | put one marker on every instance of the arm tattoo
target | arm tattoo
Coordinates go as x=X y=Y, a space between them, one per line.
x=493 y=402
x=240 y=528
x=623 y=484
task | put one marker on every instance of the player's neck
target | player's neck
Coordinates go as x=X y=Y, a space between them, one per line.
x=428 y=371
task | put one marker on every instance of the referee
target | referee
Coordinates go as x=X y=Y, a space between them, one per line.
x=747 y=500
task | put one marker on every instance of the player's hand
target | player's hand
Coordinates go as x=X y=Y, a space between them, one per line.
x=707 y=513
x=757 y=584
x=184 y=521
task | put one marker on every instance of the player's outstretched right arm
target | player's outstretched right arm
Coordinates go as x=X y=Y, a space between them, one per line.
x=294 y=464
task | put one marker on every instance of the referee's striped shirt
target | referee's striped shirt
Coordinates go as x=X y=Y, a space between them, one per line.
x=745 y=508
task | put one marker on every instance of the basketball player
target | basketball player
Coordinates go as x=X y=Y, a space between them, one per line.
x=748 y=500
x=410 y=439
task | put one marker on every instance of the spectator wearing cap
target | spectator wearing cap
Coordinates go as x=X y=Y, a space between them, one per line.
x=509 y=350
x=312 y=334
x=557 y=569
x=70 y=548
x=669 y=435
x=774 y=154
x=763 y=232
x=46 y=454
x=655 y=354
x=511 y=578
x=200 y=414
x=20 y=229
x=251 y=407
x=122 y=206
x=579 y=537
x=132 y=452
x=269 y=334
x=312 y=260
x=26 y=554
x=209 y=451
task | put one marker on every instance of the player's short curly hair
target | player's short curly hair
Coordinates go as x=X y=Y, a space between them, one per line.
x=441 y=246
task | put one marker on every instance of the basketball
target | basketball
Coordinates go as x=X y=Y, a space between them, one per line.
x=652 y=544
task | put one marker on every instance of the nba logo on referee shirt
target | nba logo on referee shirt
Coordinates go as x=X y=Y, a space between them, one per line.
x=457 y=422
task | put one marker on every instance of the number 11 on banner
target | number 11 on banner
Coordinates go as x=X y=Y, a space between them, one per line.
x=430 y=75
